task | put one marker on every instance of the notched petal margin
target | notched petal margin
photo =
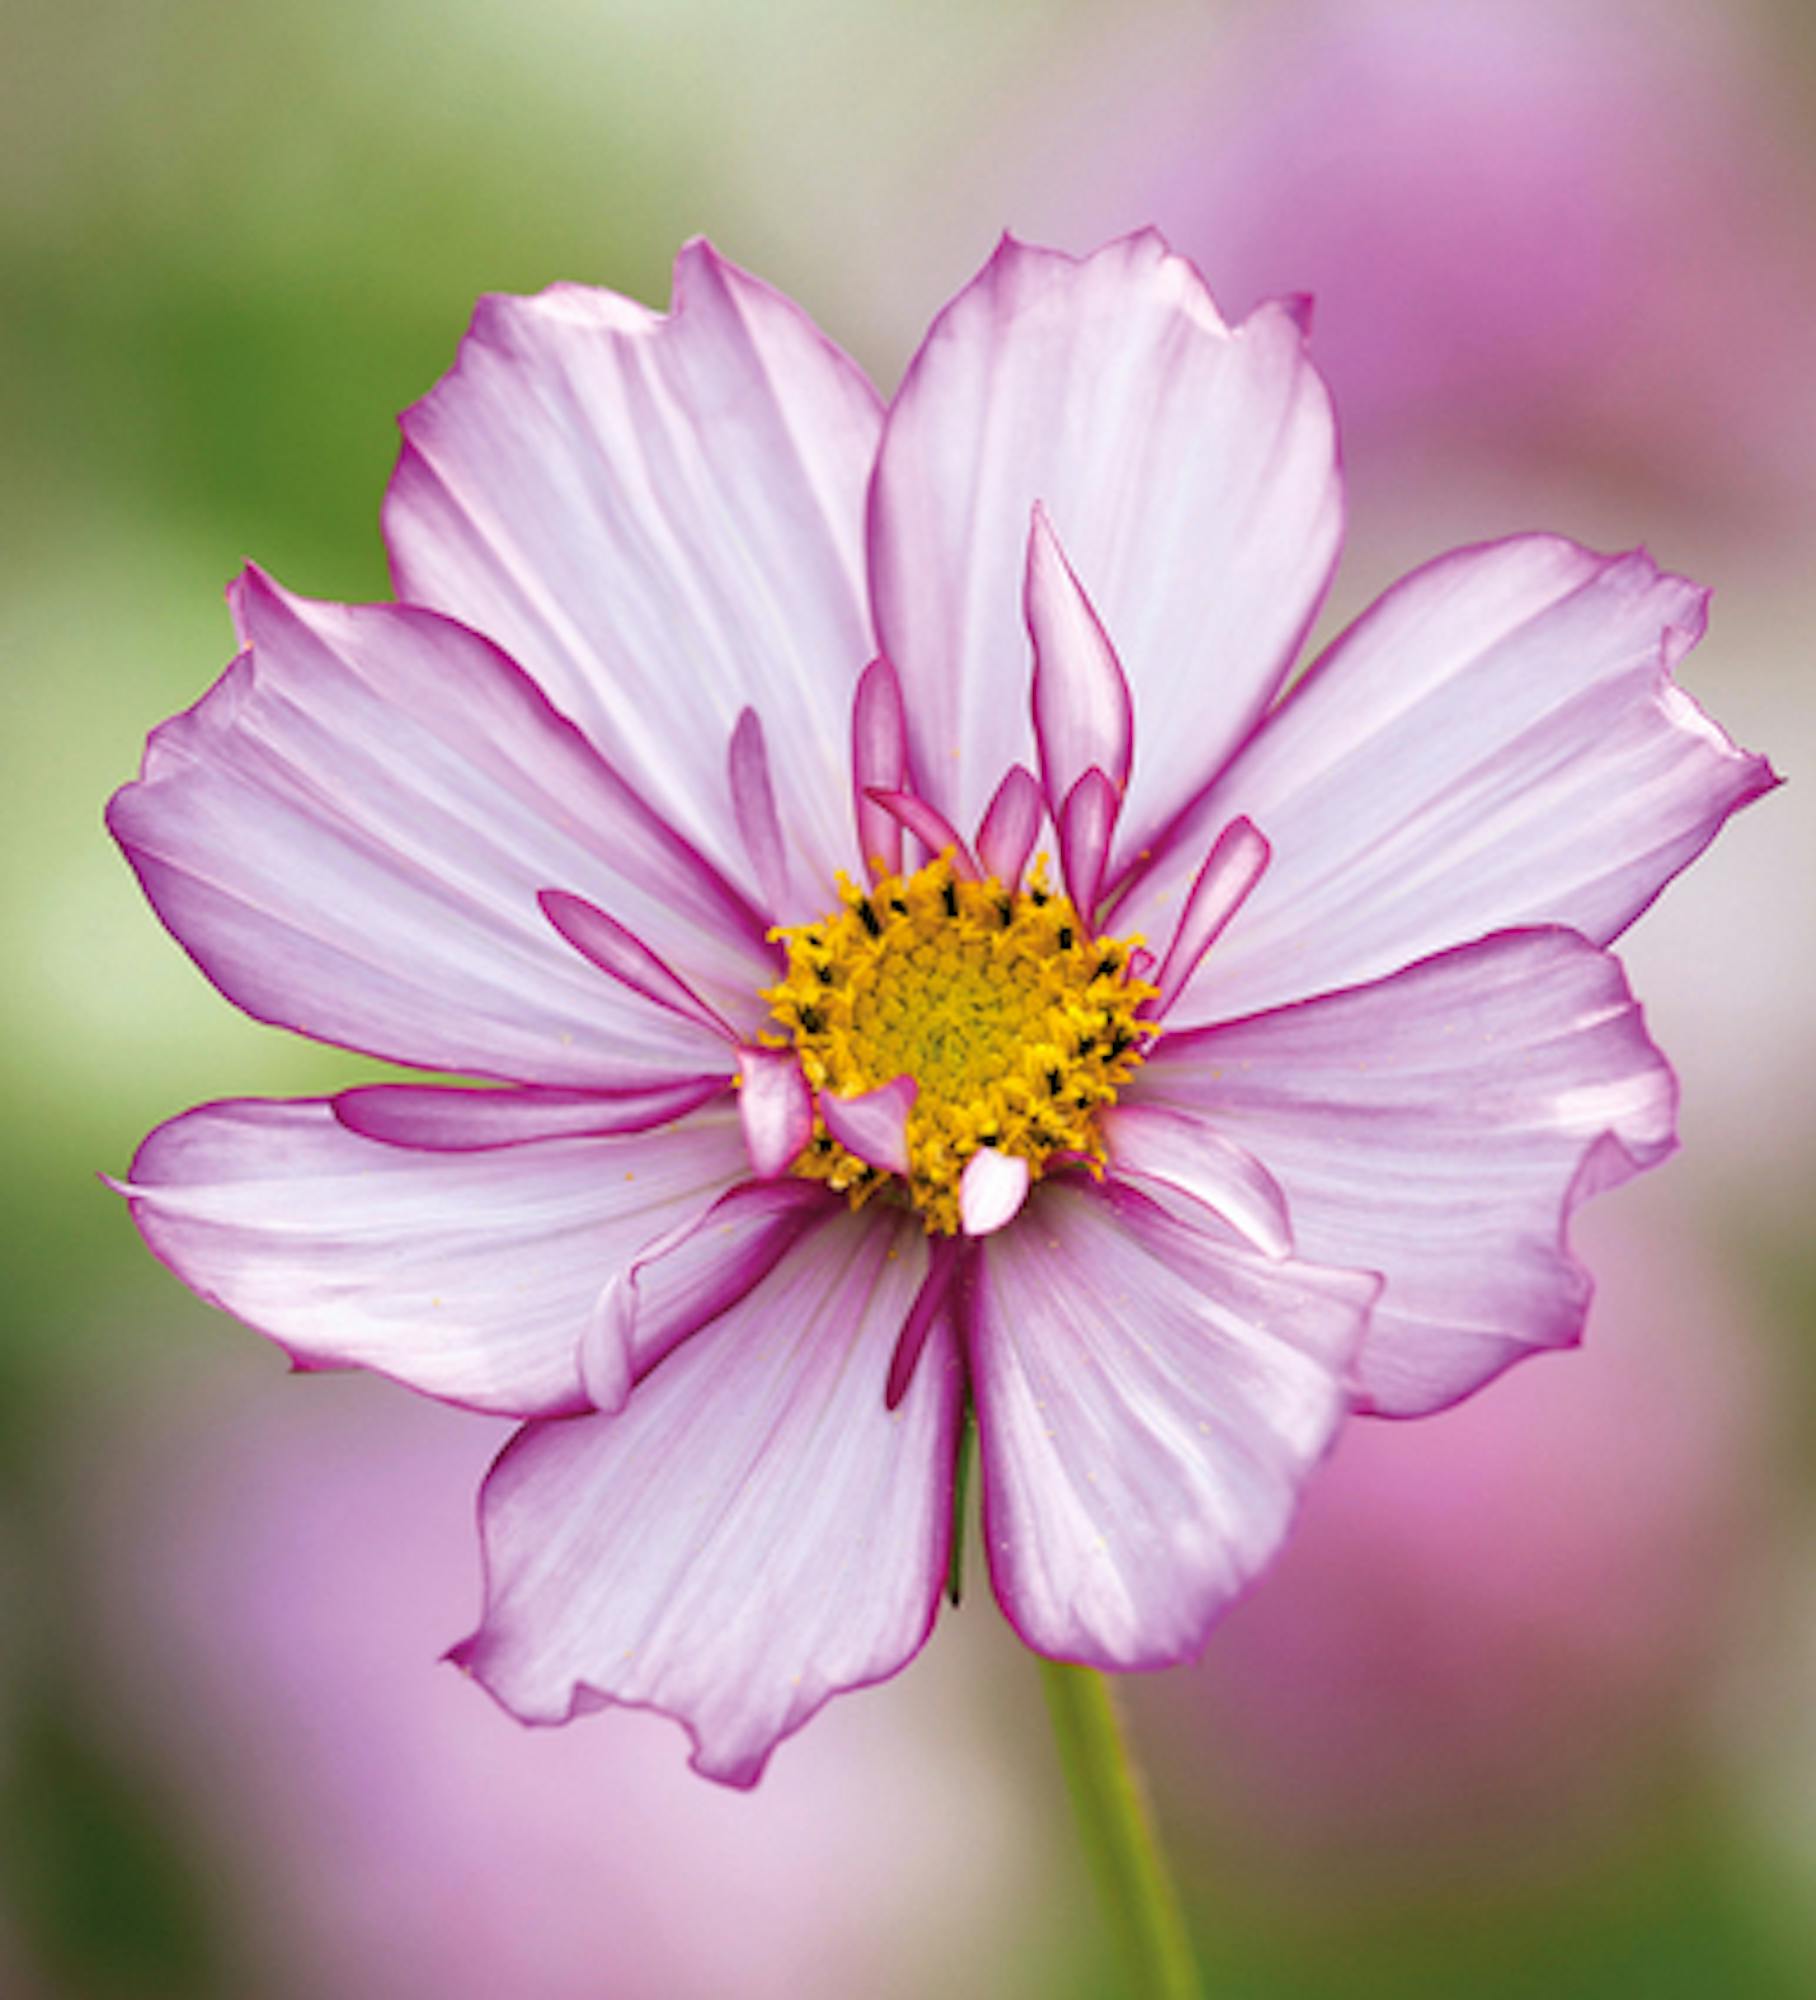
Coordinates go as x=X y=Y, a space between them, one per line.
x=1441 y=1125
x=753 y=1533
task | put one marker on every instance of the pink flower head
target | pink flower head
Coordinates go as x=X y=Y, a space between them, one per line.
x=920 y=954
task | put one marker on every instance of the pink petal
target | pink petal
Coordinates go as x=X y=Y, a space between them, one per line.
x=753 y=1533
x=943 y=1253
x=661 y=518
x=603 y=940
x=776 y=1107
x=1440 y=1127
x=879 y=759
x=1005 y=837
x=1497 y=742
x=687 y=1278
x=349 y=830
x=1167 y=1153
x=991 y=1191
x=1151 y=1397
x=874 y=1125
x=1085 y=827
x=753 y=804
x=466 y=1275
x=437 y=1119
x=1083 y=716
x=930 y=828
x=1191 y=466
x=1236 y=862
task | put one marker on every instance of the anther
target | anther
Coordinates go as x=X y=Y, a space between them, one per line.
x=965 y=989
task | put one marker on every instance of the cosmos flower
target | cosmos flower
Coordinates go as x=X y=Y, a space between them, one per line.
x=875 y=1021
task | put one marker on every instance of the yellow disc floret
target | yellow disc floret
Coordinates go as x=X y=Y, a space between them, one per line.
x=1014 y=1021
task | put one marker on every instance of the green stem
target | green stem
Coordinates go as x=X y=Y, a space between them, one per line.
x=1118 y=1834
x=961 y=1488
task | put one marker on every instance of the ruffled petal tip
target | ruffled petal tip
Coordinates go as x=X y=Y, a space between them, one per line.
x=752 y=1533
x=1440 y=1126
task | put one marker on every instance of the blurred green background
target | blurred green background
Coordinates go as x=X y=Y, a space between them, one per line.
x=1531 y=1706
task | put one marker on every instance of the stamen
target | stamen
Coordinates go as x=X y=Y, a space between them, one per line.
x=999 y=1021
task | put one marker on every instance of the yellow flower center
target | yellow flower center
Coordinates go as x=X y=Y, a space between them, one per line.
x=1016 y=1023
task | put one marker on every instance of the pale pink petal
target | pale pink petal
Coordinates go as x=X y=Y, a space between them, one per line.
x=1497 y=742
x=753 y=804
x=930 y=828
x=1190 y=465
x=879 y=760
x=1152 y=1394
x=752 y=1533
x=466 y=1275
x=943 y=1254
x=1085 y=826
x=874 y=1124
x=991 y=1191
x=661 y=518
x=1167 y=1153
x=1005 y=836
x=1439 y=1127
x=1236 y=862
x=1083 y=716
x=776 y=1108
x=686 y=1278
x=439 y=1119
x=606 y=943
x=349 y=830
